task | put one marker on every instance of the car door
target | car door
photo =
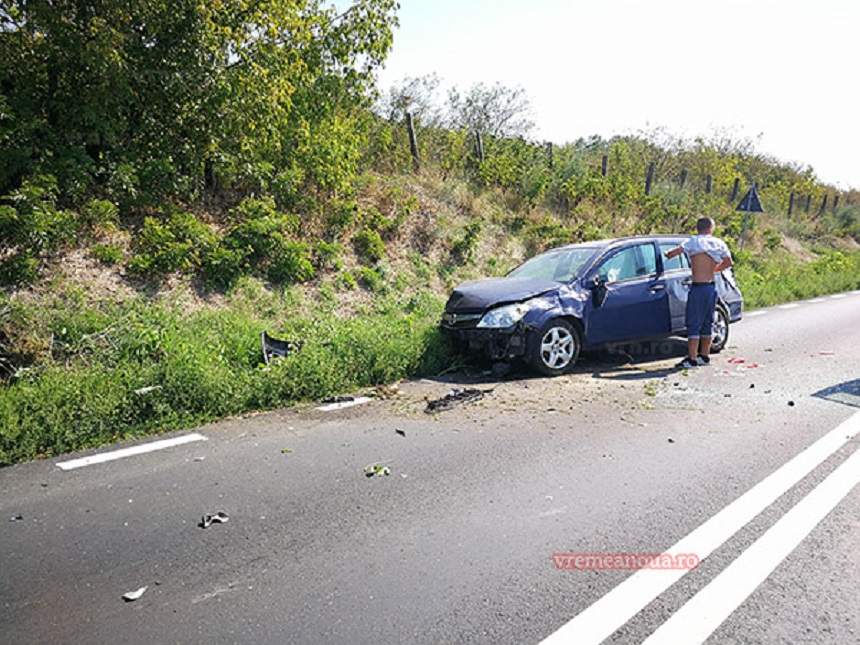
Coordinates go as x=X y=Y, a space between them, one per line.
x=678 y=277
x=636 y=304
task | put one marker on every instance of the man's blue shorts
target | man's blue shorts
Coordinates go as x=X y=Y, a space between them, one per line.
x=701 y=303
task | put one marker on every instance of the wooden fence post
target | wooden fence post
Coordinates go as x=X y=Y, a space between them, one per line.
x=735 y=189
x=649 y=178
x=479 y=146
x=823 y=205
x=808 y=203
x=790 y=203
x=709 y=184
x=549 y=155
x=604 y=164
x=413 y=142
x=835 y=202
x=683 y=178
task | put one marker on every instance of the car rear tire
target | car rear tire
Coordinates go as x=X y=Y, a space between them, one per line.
x=554 y=349
x=720 y=333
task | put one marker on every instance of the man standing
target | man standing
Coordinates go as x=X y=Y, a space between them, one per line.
x=708 y=255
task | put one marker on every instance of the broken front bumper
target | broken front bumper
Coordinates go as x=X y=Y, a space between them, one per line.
x=496 y=344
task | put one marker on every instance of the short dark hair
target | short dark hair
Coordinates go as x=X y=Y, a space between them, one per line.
x=704 y=224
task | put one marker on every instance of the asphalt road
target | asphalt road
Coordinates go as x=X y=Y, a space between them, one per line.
x=456 y=544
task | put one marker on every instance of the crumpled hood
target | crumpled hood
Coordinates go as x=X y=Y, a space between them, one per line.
x=481 y=294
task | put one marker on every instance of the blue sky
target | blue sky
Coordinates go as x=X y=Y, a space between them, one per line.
x=783 y=70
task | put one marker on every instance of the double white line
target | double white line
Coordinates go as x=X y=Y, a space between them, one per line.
x=702 y=614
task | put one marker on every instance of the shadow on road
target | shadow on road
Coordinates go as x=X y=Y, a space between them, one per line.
x=628 y=362
x=847 y=393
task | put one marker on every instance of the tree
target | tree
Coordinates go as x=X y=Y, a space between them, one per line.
x=149 y=93
x=495 y=110
x=414 y=94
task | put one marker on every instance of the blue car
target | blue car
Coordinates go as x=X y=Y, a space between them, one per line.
x=583 y=296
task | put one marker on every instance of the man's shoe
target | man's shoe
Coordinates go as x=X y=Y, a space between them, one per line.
x=703 y=360
x=687 y=363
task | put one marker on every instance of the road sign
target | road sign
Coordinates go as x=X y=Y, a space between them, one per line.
x=751 y=203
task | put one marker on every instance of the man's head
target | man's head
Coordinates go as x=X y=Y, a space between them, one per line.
x=705 y=226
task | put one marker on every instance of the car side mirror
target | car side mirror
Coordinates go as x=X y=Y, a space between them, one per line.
x=598 y=291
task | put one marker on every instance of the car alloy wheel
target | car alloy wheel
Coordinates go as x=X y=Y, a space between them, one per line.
x=557 y=348
x=720 y=330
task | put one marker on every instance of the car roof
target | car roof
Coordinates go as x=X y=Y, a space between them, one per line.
x=618 y=241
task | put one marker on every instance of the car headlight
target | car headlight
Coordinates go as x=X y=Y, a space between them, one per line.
x=502 y=317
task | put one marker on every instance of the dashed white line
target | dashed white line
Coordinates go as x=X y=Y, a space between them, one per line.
x=129 y=452
x=339 y=405
x=816 y=301
x=760 y=312
x=600 y=620
x=696 y=620
x=790 y=305
x=836 y=296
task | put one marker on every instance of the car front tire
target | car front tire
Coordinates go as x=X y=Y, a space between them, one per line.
x=554 y=349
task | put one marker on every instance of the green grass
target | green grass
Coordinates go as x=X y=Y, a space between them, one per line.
x=781 y=278
x=85 y=360
x=207 y=364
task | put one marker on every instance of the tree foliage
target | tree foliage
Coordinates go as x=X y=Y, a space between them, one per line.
x=146 y=98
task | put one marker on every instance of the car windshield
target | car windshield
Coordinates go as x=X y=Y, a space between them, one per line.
x=560 y=265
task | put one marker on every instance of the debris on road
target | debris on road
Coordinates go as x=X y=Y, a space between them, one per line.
x=16 y=518
x=376 y=470
x=340 y=402
x=213 y=518
x=131 y=596
x=338 y=399
x=286 y=451
x=455 y=397
x=671 y=440
x=402 y=433
x=791 y=404
x=277 y=348
x=386 y=391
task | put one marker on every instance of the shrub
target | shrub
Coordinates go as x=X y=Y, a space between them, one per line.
x=107 y=253
x=327 y=255
x=346 y=280
x=178 y=243
x=371 y=279
x=463 y=249
x=291 y=262
x=98 y=213
x=369 y=246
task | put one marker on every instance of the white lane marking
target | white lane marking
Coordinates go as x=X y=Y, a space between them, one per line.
x=344 y=404
x=697 y=619
x=129 y=452
x=817 y=300
x=790 y=305
x=836 y=296
x=760 y=312
x=598 y=621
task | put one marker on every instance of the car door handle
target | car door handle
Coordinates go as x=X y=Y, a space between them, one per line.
x=657 y=287
x=687 y=282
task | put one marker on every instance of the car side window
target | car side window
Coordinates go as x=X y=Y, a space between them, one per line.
x=676 y=263
x=624 y=265
x=649 y=258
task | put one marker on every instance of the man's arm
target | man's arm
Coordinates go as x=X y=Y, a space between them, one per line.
x=678 y=250
x=724 y=264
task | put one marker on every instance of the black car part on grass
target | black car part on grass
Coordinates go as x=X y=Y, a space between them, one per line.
x=277 y=348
